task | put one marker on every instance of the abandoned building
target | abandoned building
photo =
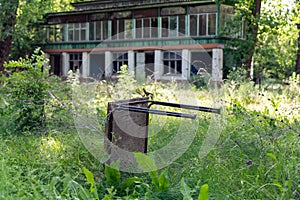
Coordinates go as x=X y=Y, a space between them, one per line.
x=164 y=39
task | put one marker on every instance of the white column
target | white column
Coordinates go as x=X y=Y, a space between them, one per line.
x=217 y=66
x=140 y=67
x=185 y=64
x=131 y=62
x=65 y=64
x=158 y=64
x=85 y=65
x=108 y=64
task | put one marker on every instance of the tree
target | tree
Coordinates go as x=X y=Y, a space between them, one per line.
x=28 y=32
x=297 y=68
x=269 y=42
x=21 y=25
x=8 y=13
x=276 y=46
x=250 y=12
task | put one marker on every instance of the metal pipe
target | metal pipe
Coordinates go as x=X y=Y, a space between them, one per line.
x=153 y=111
x=184 y=106
x=176 y=105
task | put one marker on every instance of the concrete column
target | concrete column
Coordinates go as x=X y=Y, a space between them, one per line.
x=65 y=64
x=140 y=67
x=217 y=66
x=108 y=64
x=85 y=65
x=158 y=64
x=185 y=64
x=131 y=62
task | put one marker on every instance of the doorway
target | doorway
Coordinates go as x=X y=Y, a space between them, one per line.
x=149 y=63
x=55 y=63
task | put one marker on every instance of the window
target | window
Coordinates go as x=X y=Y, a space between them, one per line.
x=146 y=28
x=228 y=25
x=98 y=30
x=56 y=33
x=70 y=32
x=75 y=61
x=172 y=25
x=212 y=21
x=172 y=62
x=122 y=25
x=173 y=21
x=77 y=32
x=203 y=24
x=122 y=29
x=203 y=20
x=119 y=59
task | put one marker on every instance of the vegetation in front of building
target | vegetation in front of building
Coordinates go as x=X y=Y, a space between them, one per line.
x=256 y=156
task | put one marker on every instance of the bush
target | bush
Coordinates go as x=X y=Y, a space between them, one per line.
x=24 y=91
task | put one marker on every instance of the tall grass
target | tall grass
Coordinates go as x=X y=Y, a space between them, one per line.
x=256 y=157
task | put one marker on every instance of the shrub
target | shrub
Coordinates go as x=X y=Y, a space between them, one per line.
x=24 y=91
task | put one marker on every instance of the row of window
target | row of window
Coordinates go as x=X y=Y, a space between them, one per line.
x=172 y=61
x=171 y=26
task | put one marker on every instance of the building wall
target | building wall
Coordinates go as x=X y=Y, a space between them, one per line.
x=159 y=42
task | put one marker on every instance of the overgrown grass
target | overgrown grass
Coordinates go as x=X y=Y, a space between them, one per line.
x=256 y=156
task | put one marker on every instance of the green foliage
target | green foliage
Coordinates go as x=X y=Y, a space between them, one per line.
x=27 y=30
x=127 y=79
x=32 y=99
x=293 y=89
x=90 y=179
x=112 y=176
x=7 y=15
x=256 y=157
x=200 y=80
x=25 y=91
x=276 y=44
x=203 y=195
x=185 y=190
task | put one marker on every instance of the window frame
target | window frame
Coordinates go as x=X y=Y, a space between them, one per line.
x=75 y=57
x=172 y=58
x=119 y=59
x=77 y=28
x=207 y=24
x=143 y=30
x=103 y=28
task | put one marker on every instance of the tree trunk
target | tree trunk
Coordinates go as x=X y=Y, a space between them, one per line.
x=297 y=68
x=10 y=11
x=253 y=31
x=5 y=51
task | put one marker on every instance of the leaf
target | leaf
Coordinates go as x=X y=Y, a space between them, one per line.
x=163 y=182
x=90 y=179
x=271 y=155
x=203 y=192
x=129 y=182
x=147 y=164
x=112 y=175
x=185 y=190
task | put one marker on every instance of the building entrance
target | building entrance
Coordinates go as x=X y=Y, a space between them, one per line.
x=55 y=63
x=149 y=63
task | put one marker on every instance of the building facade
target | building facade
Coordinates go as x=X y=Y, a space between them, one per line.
x=163 y=39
